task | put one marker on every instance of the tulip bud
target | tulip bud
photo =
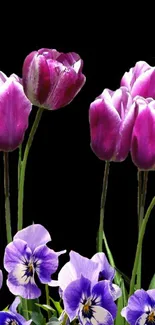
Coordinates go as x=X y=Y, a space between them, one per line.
x=112 y=117
x=14 y=112
x=51 y=79
x=140 y=80
x=143 y=136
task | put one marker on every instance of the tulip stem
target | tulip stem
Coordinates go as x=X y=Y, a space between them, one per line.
x=7 y=197
x=139 y=245
x=102 y=207
x=19 y=163
x=142 y=190
x=23 y=167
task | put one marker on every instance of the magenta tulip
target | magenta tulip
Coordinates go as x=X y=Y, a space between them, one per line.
x=51 y=79
x=112 y=117
x=143 y=137
x=140 y=80
x=14 y=112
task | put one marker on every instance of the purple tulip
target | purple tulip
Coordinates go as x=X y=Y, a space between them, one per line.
x=140 y=80
x=112 y=117
x=143 y=136
x=52 y=79
x=14 y=112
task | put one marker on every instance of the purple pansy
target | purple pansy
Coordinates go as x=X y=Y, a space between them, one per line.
x=26 y=256
x=92 y=304
x=11 y=317
x=95 y=269
x=141 y=308
x=52 y=79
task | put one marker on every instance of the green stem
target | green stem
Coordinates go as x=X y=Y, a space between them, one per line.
x=142 y=192
x=64 y=319
x=139 y=245
x=47 y=299
x=7 y=197
x=102 y=206
x=24 y=308
x=19 y=163
x=23 y=167
x=111 y=260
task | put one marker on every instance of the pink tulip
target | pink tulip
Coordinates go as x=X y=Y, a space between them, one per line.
x=143 y=137
x=52 y=79
x=112 y=117
x=140 y=80
x=14 y=112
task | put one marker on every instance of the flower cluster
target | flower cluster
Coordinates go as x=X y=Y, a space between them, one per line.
x=123 y=121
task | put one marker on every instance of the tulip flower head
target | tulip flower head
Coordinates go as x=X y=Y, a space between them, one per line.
x=14 y=112
x=51 y=79
x=112 y=117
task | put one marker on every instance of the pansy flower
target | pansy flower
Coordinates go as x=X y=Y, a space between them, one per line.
x=11 y=317
x=26 y=256
x=141 y=308
x=1 y=279
x=92 y=304
x=95 y=269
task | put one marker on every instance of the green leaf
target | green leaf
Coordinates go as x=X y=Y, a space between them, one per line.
x=123 y=275
x=120 y=304
x=152 y=283
x=6 y=308
x=38 y=318
x=46 y=307
x=54 y=321
x=57 y=306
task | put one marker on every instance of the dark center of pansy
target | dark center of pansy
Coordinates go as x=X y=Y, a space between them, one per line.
x=87 y=309
x=29 y=268
x=150 y=318
x=11 y=322
x=101 y=276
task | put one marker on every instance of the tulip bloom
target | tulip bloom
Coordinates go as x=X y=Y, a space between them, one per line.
x=52 y=79
x=140 y=80
x=112 y=117
x=26 y=256
x=143 y=136
x=14 y=112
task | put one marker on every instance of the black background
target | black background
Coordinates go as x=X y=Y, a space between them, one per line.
x=63 y=177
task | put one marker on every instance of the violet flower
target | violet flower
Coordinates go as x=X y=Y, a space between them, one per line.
x=11 y=317
x=92 y=304
x=143 y=136
x=52 y=79
x=140 y=80
x=112 y=117
x=14 y=112
x=26 y=256
x=141 y=308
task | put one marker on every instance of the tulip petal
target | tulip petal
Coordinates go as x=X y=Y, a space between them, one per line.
x=104 y=127
x=14 y=112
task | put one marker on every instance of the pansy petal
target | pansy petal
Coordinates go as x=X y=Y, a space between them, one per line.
x=46 y=263
x=151 y=293
x=73 y=294
x=3 y=78
x=6 y=318
x=14 y=305
x=66 y=275
x=15 y=254
x=29 y=290
x=34 y=235
x=107 y=272
x=115 y=291
x=1 y=279
x=101 y=316
x=131 y=316
x=84 y=266
x=105 y=300
x=142 y=320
